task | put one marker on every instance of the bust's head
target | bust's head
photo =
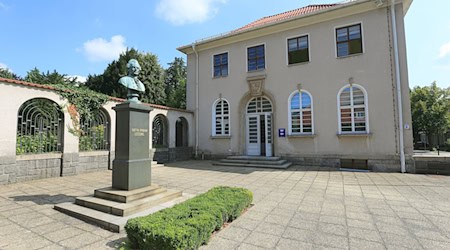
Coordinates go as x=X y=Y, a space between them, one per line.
x=133 y=67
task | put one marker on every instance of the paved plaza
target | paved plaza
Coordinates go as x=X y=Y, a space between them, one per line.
x=297 y=208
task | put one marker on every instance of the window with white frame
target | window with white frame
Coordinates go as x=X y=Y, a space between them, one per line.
x=349 y=40
x=353 y=110
x=298 y=49
x=221 y=118
x=300 y=113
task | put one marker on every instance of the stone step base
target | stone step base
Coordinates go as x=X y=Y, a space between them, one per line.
x=254 y=161
x=111 y=222
x=126 y=209
x=125 y=196
x=253 y=158
x=156 y=164
x=284 y=166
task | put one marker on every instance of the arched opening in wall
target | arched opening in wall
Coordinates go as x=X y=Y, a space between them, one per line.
x=95 y=131
x=181 y=132
x=160 y=132
x=39 y=127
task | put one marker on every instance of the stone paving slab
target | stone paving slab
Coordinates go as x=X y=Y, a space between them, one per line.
x=296 y=208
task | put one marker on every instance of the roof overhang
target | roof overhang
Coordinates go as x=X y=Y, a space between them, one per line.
x=335 y=12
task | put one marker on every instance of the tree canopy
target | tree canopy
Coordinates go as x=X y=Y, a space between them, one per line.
x=152 y=75
x=6 y=73
x=430 y=108
x=175 y=80
x=36 y=76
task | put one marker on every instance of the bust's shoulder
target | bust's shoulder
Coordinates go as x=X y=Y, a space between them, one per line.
x=126 y=79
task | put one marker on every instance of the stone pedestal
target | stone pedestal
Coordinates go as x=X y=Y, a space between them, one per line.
x=132 y=163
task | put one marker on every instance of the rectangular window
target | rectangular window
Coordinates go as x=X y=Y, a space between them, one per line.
x=298 y=50
x=349 y=40
x=256 y=58
x=220 y=65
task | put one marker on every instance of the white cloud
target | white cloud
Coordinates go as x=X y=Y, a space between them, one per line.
x=99 y=49
x=179 y=12
x=80 y=79
x=4 y=66
x=444 y=50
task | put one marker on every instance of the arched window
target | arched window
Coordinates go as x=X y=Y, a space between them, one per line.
x=221 y=117
x=259 y=105
x=181 y=132
x=352 y=108
x=95 y=131
x=159 y=132
x=300 y=113
x=39 y=127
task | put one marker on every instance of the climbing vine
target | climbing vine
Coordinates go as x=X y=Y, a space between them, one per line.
x=83 y=102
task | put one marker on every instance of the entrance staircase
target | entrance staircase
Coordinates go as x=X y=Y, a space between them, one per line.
x=254 y=162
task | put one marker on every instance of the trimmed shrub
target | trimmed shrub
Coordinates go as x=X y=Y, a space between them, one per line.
x=190 y=224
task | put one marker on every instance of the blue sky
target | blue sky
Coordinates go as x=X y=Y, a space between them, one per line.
x=80 y=37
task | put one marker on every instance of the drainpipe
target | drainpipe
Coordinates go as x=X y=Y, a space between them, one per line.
x=399 y=92
x=196 y=100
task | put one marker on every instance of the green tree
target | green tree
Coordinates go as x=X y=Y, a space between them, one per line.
x=6 y=73
x=151 y=75
x=36 y=76
x=430 y=107
x=175 y=81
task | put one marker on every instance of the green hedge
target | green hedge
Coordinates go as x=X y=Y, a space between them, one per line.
x=188 y=225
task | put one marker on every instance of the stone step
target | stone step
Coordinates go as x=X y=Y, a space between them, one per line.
x=126 y=209
x=254 y=158
x=156 y=164
x=283 y=166
x=108 y=221
x=126 y=196
x=270 y=162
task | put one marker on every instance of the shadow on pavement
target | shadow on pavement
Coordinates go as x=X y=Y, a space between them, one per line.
x=44 y=199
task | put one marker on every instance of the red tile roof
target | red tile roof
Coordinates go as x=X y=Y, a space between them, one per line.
x=49 y=87
x=286 y=15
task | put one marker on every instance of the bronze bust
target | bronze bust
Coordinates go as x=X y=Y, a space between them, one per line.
x=131 y=81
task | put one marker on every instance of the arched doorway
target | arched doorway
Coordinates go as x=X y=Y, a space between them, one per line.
x=181 y=132
x=259 y=127
x=159 y=132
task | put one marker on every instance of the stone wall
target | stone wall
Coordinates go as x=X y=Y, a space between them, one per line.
x=93 y=161
x=432 y=165
x=165 y=155
x=30 y=167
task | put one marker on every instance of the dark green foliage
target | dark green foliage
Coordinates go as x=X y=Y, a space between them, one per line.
x=188 y=225
x=5 y=73
x=35 y=76
x=430 y=106
x=175 y=80
x=85 y=100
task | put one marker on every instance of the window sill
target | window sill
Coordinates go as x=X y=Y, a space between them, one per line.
x=297 y=64
x=354 y=134
x=219 y=77
x=302 y=135
x=349 y=56
x=220 y=137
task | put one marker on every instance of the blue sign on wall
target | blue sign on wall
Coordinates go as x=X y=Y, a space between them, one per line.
x=281 y=132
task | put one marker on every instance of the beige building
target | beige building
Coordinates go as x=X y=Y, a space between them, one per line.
x=320 y=85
